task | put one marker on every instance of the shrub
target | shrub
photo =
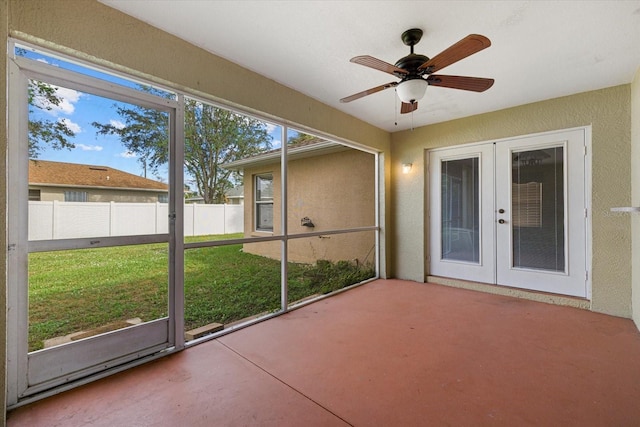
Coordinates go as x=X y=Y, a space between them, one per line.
x=326 y=276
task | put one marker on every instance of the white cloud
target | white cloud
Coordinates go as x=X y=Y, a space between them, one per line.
x=270 y=127
x=84 y=147
x=128 y=155
x=74 y=127
x=68 y=97
x=117 y=124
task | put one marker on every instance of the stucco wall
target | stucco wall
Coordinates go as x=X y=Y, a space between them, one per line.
x=607 y=110
x=635 y=196
x=335 y=191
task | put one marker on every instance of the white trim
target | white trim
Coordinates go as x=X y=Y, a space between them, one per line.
x=17 y=231
x=264 y=177
x=83 y=83
x=284 y=229
x=52 y=50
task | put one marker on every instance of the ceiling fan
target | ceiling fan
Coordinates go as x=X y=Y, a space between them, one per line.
x=416 y=71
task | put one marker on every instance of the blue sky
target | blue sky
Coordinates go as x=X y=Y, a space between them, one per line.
x=78 y=110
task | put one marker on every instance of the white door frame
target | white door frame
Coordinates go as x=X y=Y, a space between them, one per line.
x=484 y=269
x=572 y=280
x=32 y=373
x=433 y=157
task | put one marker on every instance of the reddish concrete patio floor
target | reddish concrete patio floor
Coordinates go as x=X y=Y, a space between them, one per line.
x=389 y=353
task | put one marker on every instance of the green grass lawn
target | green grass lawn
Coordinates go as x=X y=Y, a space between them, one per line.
x=79 y=290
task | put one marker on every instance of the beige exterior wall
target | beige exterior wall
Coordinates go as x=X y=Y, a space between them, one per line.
x=608 y=111
x=635 y=195
x=49 y=194
x=335 y=191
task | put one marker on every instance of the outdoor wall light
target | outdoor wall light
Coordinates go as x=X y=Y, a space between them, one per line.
x=406 y=168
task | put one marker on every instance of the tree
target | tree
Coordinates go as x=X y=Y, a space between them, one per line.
x=213 y=137
x=145 y=132
x=46 y=131
x=300 y=138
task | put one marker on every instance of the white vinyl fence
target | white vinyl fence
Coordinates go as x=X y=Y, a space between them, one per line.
x=68 y=220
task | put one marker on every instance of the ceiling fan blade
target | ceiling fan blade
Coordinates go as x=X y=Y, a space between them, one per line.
x=475 y=84
x=368 y=92
x=469 y=45
x=378 y=64
x=407 y=108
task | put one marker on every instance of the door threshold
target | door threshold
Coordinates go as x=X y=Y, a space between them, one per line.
x=538 y=296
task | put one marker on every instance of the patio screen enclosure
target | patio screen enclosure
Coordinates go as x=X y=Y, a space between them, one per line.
x=80 y=307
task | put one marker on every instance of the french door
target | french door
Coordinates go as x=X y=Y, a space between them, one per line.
x=92 y=321
x=512 y=213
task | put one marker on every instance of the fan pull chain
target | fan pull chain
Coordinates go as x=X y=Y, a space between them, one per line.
x=395 y=108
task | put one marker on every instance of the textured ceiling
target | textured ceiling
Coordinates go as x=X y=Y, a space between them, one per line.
x=540 y=49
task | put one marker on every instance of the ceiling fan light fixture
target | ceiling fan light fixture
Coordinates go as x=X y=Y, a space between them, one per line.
x=412 y=90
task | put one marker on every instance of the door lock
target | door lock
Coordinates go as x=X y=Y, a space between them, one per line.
x=500 y=210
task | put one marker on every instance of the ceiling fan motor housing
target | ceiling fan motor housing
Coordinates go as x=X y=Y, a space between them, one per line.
x=411 y=63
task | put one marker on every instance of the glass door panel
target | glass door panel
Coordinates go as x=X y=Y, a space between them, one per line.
x=537 y=209
x=460 y=214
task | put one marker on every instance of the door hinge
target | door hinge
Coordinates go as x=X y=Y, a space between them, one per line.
x=584 y=149
x=586 y=213
x=586 y=276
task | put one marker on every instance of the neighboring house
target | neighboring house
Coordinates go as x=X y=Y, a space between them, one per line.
x=235 y=196
x=71 y=182
x=330 y=186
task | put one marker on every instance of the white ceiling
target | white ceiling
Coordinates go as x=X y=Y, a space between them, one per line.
x=540 y=49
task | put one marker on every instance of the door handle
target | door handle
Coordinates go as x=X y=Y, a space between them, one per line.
x=501 y=221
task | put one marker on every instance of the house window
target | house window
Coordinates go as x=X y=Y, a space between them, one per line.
x=75 y=196
x=34 y=195
x=264 y=202
x=163 y=198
